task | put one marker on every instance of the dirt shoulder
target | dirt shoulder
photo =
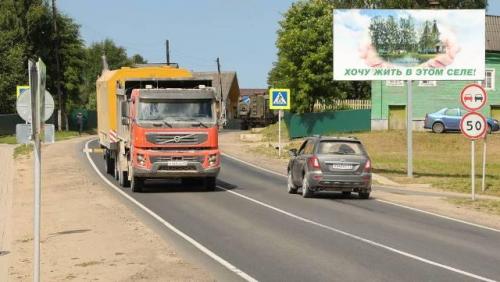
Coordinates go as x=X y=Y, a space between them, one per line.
x=87 y=233
x=424 y=198
x=6 y=190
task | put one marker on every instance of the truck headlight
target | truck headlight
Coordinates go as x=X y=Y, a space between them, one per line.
x=212 y=160
x=141 y=159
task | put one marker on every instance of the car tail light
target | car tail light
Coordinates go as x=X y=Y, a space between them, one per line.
x=314 y=163
x=368 y=167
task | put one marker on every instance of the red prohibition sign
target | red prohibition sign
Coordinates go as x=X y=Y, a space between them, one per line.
x=469 y=124
x=473 y=97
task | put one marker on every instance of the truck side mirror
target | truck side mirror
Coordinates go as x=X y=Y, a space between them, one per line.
x=124 y=109
x=125 y=121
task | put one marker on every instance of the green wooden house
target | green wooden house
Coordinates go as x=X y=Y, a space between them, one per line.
x=389 y=97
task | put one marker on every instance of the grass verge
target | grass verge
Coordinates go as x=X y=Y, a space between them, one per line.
x=442 y=160
x=487 y=206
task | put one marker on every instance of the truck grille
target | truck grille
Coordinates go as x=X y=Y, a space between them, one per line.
x=176 y=138
x=177 y=168
x=156 y=159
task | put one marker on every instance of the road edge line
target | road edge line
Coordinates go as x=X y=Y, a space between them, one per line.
x=172 y=228
x=359 y=238
x=379 y=200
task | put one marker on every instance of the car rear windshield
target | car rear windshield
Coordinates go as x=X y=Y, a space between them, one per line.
x=340 y=148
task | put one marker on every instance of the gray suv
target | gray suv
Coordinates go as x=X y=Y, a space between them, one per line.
x=330 y=164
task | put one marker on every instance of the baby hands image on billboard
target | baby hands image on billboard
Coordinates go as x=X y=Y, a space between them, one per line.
x=373 y=44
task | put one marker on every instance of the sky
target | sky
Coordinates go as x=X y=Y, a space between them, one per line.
x=242 y=33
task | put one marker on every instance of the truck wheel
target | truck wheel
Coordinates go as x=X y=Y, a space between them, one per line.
x=123 y=179
x=110 y=164
x=136 y=184
x=116 y=172
x=210 y=183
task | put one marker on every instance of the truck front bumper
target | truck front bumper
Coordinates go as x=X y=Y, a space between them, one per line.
x=163 y=170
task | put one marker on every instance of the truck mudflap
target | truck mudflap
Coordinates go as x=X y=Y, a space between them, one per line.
x=175 y=170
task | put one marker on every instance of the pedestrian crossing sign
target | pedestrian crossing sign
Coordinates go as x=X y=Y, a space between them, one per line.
x=279 y=99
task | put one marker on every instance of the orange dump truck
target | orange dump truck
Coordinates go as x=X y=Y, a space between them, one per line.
x=157 y=122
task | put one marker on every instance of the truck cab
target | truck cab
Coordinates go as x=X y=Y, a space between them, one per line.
x=173 y=134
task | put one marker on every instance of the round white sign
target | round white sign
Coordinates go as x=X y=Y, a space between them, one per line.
x=23 y=105
x=473 y=97
x=473 y=125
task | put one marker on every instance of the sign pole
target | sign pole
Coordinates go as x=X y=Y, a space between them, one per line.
x=472 y=168
x=483 y=183
x=279 y=132
x=409 y=128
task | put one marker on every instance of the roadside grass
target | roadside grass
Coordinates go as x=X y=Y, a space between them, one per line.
x=25 y=149
x=442 y=160
x=483 y=205
x=8 y=139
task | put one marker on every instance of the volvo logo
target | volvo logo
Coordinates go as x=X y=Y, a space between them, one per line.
x=177 y=139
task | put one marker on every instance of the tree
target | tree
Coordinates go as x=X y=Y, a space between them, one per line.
x=116 y=57
x=305 y=55
x=12 y=46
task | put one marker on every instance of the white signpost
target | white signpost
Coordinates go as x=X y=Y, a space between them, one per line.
x=407 y=45
x=474 y=126
x=279 y=99
x=37 y=76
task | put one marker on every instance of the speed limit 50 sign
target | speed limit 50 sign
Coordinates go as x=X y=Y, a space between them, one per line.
x=473 y=125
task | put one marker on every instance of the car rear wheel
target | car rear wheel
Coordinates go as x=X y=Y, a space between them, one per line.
x=364 y=195
x=438 y=127
x=292 y=189
x=306 y=190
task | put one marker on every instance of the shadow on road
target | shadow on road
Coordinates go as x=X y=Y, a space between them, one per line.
x=182 y=186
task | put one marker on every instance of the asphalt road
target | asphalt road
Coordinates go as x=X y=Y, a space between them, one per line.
x=252 y=223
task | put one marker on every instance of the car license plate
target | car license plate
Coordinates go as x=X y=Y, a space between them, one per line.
x=177 y=163
x=341 y=166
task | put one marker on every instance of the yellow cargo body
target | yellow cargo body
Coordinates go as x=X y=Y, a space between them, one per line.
x=106 y=88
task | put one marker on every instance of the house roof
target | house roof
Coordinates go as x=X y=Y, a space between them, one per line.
x=492 y=28
x=252 y=91
x=227 y=78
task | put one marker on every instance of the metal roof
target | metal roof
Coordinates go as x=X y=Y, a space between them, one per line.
x=492 y=28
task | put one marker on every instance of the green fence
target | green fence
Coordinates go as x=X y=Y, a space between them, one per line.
x=8 y=121
x=327 y=122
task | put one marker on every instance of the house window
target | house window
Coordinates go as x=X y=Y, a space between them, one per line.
x=426 y=83
x=489 y=79
x=394 y=83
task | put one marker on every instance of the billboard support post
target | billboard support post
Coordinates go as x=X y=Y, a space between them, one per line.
x=472 y=169
x=409 y=128
x=483 y=183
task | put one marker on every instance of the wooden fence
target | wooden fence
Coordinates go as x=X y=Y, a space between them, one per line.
x=342 y=105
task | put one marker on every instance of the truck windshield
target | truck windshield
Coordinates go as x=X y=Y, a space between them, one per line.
x=178 y=110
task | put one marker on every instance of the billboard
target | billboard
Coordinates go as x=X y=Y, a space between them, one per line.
x=371 y=44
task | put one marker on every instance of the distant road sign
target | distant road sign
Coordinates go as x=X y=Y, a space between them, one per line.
x=473 y=97
x=23 y=105
x=279 y=99
x=20 y=89
x=473 y=125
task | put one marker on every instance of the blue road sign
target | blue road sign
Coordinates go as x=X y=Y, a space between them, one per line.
x=279 y=99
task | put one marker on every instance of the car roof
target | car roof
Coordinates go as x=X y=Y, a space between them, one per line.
x=336 y=138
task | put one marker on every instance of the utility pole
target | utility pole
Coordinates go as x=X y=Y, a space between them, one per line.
x=167 y=50
x=222 y=109
x=60 y=111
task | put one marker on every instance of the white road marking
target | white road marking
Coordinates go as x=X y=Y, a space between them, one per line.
x=378 y=200
x=370 y=242
x=186 y=237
